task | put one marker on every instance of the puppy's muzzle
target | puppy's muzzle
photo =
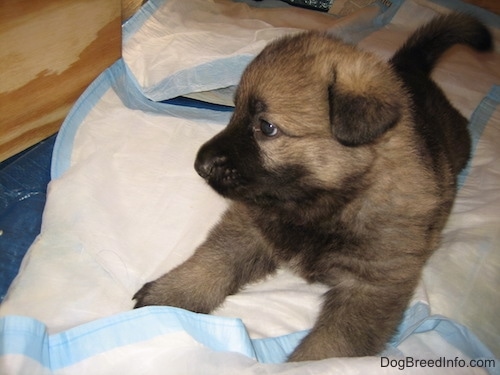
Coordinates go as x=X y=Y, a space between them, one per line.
x=213 y=165
x=211 y=157
x=208 y=166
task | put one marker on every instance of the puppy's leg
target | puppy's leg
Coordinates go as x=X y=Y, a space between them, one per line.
x=352 y=323
x=233 y=254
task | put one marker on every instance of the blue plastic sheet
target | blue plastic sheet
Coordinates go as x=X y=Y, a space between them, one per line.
x=23 y=186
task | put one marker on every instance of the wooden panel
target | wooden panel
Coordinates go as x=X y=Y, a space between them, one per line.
x=50 y=51
x=491 y=5
x=129 y=7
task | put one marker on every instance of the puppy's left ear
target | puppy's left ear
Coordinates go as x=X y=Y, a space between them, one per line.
x=364 y=104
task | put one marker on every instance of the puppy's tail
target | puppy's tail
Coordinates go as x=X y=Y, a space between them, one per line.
x=424 y=48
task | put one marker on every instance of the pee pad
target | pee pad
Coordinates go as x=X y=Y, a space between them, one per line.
x=125 y=206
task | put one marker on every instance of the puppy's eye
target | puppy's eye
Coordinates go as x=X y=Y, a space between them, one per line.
x=267 y=129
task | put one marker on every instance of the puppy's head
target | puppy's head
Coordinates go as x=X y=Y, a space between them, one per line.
x=309 y=112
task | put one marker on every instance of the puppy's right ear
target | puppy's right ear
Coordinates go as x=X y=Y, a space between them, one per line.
x=365 y=101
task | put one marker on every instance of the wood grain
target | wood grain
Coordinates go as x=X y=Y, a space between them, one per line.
x=50 y=52
x=129 y=7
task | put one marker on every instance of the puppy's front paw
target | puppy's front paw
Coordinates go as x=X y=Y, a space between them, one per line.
x=168 y=290
x=187 y=287
x=144 y=297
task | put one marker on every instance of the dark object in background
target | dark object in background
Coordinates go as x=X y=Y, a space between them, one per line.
x=321 y=5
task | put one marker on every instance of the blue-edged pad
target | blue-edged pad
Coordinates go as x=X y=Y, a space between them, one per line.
x=29 y=337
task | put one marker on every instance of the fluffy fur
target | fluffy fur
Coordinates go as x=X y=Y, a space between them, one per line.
x=340 y=167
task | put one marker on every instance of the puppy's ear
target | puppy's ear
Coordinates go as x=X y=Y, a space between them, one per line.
x=363 y=104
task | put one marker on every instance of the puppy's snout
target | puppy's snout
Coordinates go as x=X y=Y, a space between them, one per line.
x=207 y=163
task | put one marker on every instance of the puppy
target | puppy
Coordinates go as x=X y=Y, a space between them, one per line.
x=340 y=167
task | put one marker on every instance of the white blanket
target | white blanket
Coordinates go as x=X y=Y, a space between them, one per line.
x=125 y=206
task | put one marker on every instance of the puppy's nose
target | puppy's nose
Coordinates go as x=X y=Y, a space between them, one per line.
x=206 y=164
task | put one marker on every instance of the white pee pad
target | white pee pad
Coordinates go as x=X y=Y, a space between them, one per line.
x=125 y=206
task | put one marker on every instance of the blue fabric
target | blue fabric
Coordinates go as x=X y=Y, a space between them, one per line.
x=23 y=187
x=477 y=123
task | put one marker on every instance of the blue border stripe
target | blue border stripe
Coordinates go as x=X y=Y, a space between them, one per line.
x=63 y=147
x=28 y=337
x=134 y=23
x=126 y=87
x=389 y=8
x=478 y=122
x=80 y=343
x=20 y=335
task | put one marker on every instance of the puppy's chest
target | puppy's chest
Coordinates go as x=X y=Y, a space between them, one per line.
x=291 y=240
